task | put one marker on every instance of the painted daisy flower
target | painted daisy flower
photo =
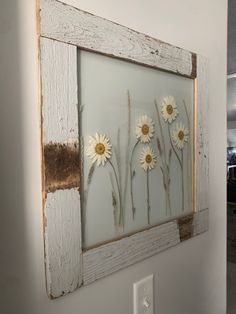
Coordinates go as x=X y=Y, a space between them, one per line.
x=180 y=135
x=99 y=149
x=169 y=109
x=144 y=129
x=147 y=158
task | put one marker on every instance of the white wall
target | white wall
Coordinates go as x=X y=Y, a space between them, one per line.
x=190 y=278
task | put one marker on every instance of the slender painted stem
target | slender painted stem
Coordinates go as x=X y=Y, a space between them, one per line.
x=131 y=178
x=181 y=166
x=148 y=199
x=161 y=131
x=121 y=218
x=182 y=171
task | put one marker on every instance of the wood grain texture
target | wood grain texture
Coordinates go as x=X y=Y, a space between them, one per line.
x=62 y=166
x=201 y=152
x=71 y=25
x=111 y=257
x=62 y=220
x=63 y=242
x=185 y=227
x=108 y=258
x=59 y=92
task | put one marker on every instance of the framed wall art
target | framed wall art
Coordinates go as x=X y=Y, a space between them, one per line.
x=124 y=145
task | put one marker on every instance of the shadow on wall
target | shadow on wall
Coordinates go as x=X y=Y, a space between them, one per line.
x=13 y=250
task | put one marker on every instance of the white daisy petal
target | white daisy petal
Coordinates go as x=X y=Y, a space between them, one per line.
x=180 y=135
x=147 y=158
x=99 y=149
x=144 y=129
x=169 y=109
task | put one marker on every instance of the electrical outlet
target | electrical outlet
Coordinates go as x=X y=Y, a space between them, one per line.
x=143 y=296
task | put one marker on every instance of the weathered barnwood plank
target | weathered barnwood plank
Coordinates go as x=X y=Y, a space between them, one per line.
x=185 y=227
x=62 y=242
x=71 y=25
x=59 y=91
x=108 y=258
x=60 y=146
x=61 y=166
x=201 y=145
x=111 y=257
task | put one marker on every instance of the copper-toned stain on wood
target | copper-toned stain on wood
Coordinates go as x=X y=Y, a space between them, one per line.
x=194 y=65
x=185 y=227
x=61 y=164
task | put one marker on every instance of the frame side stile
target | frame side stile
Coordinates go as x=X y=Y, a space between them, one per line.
x=202 y=134
x=202 y=158
x=40 y=103
x=62 y=223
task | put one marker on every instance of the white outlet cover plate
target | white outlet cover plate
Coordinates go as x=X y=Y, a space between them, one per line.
x=143 y=296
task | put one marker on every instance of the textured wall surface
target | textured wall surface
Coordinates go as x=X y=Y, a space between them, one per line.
x=231 y=68
x=189 y=278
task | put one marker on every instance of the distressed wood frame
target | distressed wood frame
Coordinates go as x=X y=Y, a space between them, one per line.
x=62 y=29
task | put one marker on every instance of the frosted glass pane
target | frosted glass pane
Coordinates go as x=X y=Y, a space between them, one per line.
x=137 y=143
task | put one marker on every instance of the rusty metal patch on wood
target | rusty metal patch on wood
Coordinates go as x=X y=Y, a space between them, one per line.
x=185 y=227
x=61 y=164
x=194 y=65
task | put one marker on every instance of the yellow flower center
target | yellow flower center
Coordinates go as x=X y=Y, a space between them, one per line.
x=181 y=135
x=145 y=129
x=100 y=149
x=148 y=158
x=169 y=109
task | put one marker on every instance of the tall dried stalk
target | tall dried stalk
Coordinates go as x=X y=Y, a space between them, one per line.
x=127 y=157
x=121 y=216
x=89 y=179
x=132 y=175
x=189 y=151
x=117 y=150
x=165 y=168
x=114 y=203
x=118 y=180
x=117 y=155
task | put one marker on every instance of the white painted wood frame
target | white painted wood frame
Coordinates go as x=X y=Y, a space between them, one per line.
x=62 y=29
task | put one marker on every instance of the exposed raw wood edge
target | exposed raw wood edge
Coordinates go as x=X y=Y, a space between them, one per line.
x=63 y=242
x=185 y=227
x=59 y=92
x=71 y=25
x=106 y=259
x=62 y=167
x=202 y=134
x=200 y=222
x=37 y=11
